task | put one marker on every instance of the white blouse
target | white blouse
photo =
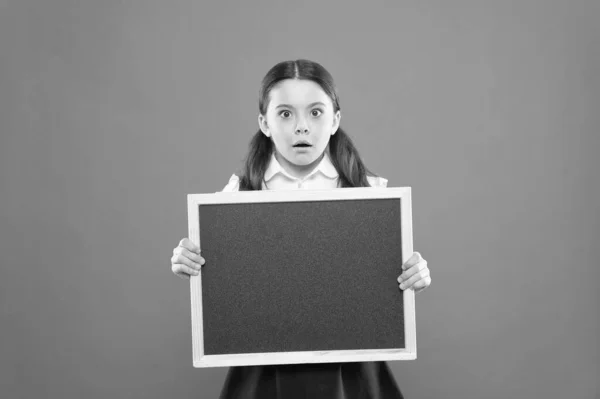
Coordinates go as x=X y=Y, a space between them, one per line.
x=324 y=176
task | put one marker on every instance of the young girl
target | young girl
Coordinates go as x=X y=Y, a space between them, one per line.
x=300 y=146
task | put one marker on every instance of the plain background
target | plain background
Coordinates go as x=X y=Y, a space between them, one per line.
x=111 y=112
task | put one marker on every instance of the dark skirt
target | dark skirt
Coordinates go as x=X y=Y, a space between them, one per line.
x=364 y=380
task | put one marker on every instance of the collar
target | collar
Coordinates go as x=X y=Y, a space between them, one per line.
x=325 y=167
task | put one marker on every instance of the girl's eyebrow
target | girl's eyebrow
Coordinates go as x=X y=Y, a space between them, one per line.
x=309 y=105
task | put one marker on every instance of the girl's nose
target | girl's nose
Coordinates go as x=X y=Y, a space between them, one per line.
x=302 y=127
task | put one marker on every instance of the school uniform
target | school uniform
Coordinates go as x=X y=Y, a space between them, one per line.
x=357 y=380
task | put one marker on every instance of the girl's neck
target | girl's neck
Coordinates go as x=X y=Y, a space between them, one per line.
x=298 y=171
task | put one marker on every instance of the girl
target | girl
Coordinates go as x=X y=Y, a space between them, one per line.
x=300 y=146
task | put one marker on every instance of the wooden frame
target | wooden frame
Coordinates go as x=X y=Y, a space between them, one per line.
x=247 y=359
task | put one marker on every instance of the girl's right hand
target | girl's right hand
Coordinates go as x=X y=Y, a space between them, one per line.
x=186 y=259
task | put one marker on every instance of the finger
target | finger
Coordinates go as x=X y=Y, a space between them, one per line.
x=180 y=251
x=179 y=268
x=422 y=284
x=414 y=279
x=182 y=259
x=408 y=283
x=189 y=245
x=413 y=260
x=411 y=271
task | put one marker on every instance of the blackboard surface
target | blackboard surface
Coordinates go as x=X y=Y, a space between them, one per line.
x=301 y=276
x=298 y=276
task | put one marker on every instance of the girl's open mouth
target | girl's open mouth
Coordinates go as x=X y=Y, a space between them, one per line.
x=302 y=144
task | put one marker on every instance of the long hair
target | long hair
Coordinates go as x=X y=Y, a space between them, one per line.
x=344 y=155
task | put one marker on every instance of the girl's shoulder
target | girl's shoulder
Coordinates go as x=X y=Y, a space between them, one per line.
x=233 y=184
x=377 y=181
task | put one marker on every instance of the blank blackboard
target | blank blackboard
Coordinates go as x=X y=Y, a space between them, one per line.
x=301 y=276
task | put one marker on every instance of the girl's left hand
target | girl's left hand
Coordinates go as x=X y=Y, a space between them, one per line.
x=415 y=274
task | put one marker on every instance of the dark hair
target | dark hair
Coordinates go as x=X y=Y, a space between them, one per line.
x=344 y=156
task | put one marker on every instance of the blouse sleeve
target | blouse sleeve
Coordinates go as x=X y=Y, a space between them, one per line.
x=377 y=181
x=232 y=185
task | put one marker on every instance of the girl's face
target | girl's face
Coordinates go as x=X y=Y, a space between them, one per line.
x=300 y=120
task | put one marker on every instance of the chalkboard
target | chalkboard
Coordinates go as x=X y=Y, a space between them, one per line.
x=301 y=276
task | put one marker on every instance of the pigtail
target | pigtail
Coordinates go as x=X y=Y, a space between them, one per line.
x=347 y=161
x=257 y=161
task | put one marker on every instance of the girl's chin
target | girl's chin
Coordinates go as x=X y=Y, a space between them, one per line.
x=304 y=158
x=301 y=157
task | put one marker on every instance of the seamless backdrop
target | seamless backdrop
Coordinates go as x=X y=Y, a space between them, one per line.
x=111 y=112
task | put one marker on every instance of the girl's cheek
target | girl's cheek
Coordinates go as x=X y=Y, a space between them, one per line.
x=319 y=127
x=285 y=123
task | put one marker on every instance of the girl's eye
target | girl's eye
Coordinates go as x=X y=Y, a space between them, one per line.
x=316 y=112
x=285 y=114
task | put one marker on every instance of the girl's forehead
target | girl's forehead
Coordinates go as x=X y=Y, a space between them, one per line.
x=298 y=92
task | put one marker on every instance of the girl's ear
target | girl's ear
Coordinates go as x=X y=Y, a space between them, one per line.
x=262 y=124
x=336 y=122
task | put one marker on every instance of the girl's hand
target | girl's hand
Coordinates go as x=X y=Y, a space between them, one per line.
x=415 y=274
x=186 y=259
